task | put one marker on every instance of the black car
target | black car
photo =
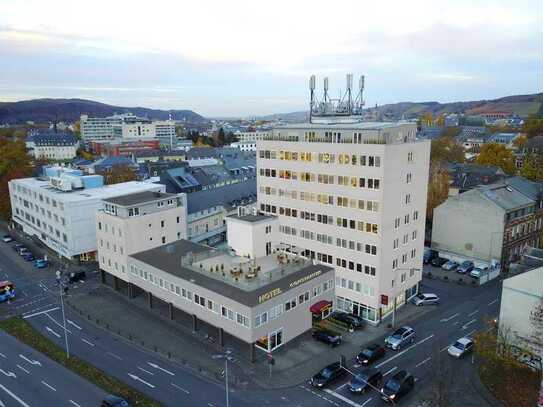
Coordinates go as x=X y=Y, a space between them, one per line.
x=76 y=276
x=370 y=354
x=328 y=375
x=397 y=386
x=351 y=320
x=114 y=401
x=429 y=255
x=439 y=261
x=365 y=381
x=328 y=337
x=17 y=246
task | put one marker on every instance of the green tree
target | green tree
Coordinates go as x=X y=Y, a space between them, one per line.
x=451 y=132
x=446 y=149
x=498 y=155
x=438 y=188
x=533 y=126
x=532 y=167
x=14 y=163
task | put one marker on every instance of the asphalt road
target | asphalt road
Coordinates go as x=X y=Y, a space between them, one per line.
x=462 y=311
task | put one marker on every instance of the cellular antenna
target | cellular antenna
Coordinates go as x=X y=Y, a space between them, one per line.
x=312 y=96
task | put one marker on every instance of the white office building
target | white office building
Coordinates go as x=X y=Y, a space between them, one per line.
x=99 y=129
x=165 y=133
x=251 y=136
x=352 y=195
x=60 y=208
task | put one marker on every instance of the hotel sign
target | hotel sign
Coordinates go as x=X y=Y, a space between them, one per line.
x=269 y=295
x=278 y=291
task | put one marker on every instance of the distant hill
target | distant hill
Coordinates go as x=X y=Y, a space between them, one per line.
x=521 y=105
x=69 y=110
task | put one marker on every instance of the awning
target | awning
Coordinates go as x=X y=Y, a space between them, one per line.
x=320 y=306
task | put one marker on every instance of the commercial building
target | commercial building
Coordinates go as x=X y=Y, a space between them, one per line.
x=126 y=149
x=244 y=145
x=99 y=129
x=52 y=146
x=259 y=302
x=60 y=208
x=251 y=136
x=351 y=195
x=165 y=133
x=491 y=222
x=137 y=222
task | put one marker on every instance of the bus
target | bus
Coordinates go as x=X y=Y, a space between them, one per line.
x=7 y=291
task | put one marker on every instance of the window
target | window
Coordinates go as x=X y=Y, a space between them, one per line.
x=396 y=223
x=415 y=215
x=408 y=178
x=163 y=239
x=161 y=223
x=242 y=320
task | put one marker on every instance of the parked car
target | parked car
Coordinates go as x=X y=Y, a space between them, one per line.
x=28 y=256
x=461 y=347
x=450 y=265
x=7 y=239
x=400 y=337
x=328 y=337
x=370 y=354
x=77 y=276
x=397 y=386
x=365 y=381
x=17 y=246
x=439 y=261
x=465 y=267
x=425 y=299
x=429 y=255
x=477 y=271
x=114 y=401
x=22 y=251
x=41 y=263
x=350 y=319
x=328 y=375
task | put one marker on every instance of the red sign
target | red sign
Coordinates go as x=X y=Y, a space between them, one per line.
x=384 y=299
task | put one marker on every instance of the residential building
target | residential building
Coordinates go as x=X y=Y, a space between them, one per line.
x=466 y=176
x=60 y=208
x=491 y=222
x=136 y=222
x=533 y=145
x=351 y=195
x=504 y=138
x=52 y=146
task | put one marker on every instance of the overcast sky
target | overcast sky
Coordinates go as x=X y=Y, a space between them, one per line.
x=230 y=57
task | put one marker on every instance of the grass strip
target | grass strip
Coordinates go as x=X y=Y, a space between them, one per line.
x=24 y=332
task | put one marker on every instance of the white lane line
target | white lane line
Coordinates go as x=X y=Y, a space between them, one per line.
x=449 y=318
x=39 y=313
x=146 y=371
x=469 y=323
x=114 y=356
x=74 y=403
x=180 y=388
x=154 y=365
x=367 y=401
x=74 y=324
x=23 y=369
x=14 y=396
x=8 y=373
x=342 y=398
x=32 y=362
x=473 y=313
x=342 y=386
x=4 y=356
x=136 y=378
x=58 y=324
x=88 y=343
x=53 y=332
x=390 y=371
x=48 y=385
x=471 y=332
x=445 y=348
x=423 y=362
x=211 y=405
x=403 y=351
x=493 y=302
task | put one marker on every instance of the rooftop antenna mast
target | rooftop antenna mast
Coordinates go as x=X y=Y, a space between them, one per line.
x=312 y=96
x=359 y=100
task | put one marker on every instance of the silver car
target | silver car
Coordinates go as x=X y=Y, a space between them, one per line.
x=450 y=265
x=425 y=299
x=400 y=337
x=461 y=347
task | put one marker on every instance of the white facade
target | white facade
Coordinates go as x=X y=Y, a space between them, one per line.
x=99 y=129
x=248 y=136
x=135 y=131
x=56 y=152
x=352 y=196
x=244 y=145
x=135 y=223
x=64 y=220
x=252 y=235
x=165 y=132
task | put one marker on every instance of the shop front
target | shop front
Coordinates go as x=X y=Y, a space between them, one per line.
x=321 y=310
x=271 y=341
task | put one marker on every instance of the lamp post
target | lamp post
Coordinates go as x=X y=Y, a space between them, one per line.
x=61 y=289
x=394 y=294
x=226 y=355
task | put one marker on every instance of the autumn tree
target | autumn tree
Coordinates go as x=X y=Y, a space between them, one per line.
x=118 y=174
x=533 y=126
x=427 y=119
x=438 y=188
x=520 y=141
x=446 y=149
x=440 y=120
x=498 y=155
x=532 y=167
x=451 y=132
x=14 y=163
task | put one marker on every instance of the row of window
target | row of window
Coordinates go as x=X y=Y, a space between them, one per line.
x=355 y=182
x=38 y=209
x=357 y=225
x=359 y=287
x=41 y=197
x=323 y=158
x=396 y=241
x=406 y=219
x=41 y=224
x=360 y=268
x=413 y=254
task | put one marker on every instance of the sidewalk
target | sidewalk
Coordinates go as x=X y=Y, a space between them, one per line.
x=295 y=362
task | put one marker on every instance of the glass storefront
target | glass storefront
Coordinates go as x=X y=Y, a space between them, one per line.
x=271 y=341
x=365 y=311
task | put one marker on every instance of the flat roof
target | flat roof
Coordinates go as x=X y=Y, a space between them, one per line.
x=139 y=198
x=173 y=259
x=252 y=218
x=345 y=125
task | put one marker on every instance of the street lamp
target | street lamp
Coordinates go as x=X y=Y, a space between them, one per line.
x=61 y=288
x=226 y=355
x=394 y=294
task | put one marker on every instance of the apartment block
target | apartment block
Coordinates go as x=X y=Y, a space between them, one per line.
x=137 y=222
x=351 y=195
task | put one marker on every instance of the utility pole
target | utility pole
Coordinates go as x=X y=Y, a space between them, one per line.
x=61 y=288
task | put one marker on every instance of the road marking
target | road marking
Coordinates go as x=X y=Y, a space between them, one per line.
x=342 y=386
x=473 y=313
x=493 y=302
x=211 y=405
x=88 y=343
x=74 y=324
x=39 y=313
x=159 y=368
x=58 y=324
x=8 y=373
x=469 y=323
x=403 y=351
x=23 y=369
x=445 y=348
x=449 y=318
x=180 y=388
x=471 y=332
x=456 y=323
x=48 y=385
x=14 y=396
x=74 y=403
x=342 y=398
x=4 y=356
x=424 y=361
x=367 y=401
x=32 y=362
x=53 y=332
x=391 y=370
x=136 y=378
x=115 y=356
x=146 y=371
